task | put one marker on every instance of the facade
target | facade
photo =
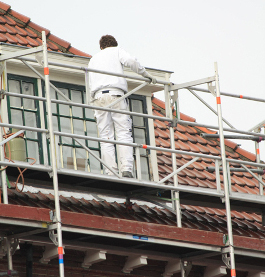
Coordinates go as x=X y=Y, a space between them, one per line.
x=157 y=224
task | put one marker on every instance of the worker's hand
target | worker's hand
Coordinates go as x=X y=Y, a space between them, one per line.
x=149 y=76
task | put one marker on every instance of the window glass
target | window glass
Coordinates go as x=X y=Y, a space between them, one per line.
x=92 y=132
x=76 y=96
x=145 y=168
x=137 y=106
x=53 y=96
x=79 y=128
x=65 y=124
x=32 y=149
x=25 y=112
x=16 y=117
x=139 y=137
x=94 y=163
x=55 y=123
x=30 y=120
x=27 y=88
x=81 y=159
x=63 y=109
x=68 y=161
x=75 y=120
x=14 y=86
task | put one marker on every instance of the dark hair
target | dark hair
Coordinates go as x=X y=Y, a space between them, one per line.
x=107 y=41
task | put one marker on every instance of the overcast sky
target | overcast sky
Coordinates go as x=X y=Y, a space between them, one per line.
x=185 y=37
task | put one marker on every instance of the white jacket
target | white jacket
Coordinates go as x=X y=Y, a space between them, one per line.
x=111 y=59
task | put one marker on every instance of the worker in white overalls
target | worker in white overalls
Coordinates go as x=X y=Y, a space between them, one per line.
x=106 y=89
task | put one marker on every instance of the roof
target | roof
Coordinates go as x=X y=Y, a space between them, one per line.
x=187 y=138
x=18 y=29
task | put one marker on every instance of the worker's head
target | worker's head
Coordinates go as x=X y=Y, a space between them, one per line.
x=107 y=41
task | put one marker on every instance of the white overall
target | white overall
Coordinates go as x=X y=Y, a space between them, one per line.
x=113 y=59
x=111 y=124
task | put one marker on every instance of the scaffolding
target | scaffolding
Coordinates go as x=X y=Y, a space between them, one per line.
x=171 y=100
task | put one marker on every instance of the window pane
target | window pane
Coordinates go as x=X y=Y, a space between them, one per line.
x=53 y=96
x=66 y=128
x=94 y=163
x=16 y=117
x=92 y=132
x=30 y=120
x=14 y=86
x=68 y=161
x=137 y=106
x=81 y=159
x=55 y=123
x=27 y=88
x=79 y=128
x=89 y=113
x=63 y=109
x=76 y=96
x=144 y=167
x=33 y=151
x=139 y=137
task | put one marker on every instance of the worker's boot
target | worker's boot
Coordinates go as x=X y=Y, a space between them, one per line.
x=127 y=174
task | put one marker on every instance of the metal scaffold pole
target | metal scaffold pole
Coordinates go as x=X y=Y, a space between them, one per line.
x=225 y=176
x=175 y=194
x=57 y=217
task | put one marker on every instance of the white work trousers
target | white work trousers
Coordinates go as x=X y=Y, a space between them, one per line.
x=122 y=123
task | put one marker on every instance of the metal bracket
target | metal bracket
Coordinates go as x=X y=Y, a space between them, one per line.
x=14 y=244
x=174 y=98
x=2 y=93
x=186 y=267
x=52 y=215
x=39 y=59
x=174 y=122
x=53 y=237
x=212 y=89
x=227 y=260
x=225 y=241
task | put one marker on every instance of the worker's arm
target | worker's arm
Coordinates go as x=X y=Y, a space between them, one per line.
x=129 y=61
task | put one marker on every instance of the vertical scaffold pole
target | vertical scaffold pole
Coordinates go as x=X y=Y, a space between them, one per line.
x=175 y=194
x=53 y=158
x=258 y=161
x=2 y=154
x=225 y=176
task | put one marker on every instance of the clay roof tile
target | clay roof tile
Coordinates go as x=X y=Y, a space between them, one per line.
x=4 y=6
x=38 y=28
x=59 y=41
x=19 y=16
x=2 y=20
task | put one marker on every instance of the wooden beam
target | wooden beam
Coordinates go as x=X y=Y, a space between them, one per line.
x=134 y=262
x=93 y=256
x=129 y=227
x=212 y=271
x=172 y=267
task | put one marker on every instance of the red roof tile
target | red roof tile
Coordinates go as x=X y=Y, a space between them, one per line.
x=4 y=6
x=78 y=52
x=13 y=23
x=19 y=16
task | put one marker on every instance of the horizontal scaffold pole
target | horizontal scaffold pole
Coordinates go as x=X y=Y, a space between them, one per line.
x=235 y=169
x=98 y=71
x=232 y=95
x=233 y=137
x=55 y=101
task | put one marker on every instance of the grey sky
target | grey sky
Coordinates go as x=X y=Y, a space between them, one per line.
x=186 y=37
